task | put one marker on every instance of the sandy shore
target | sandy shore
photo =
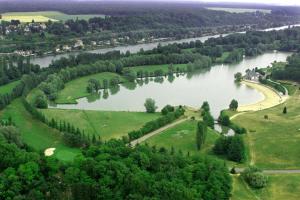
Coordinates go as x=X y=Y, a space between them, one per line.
x=271 y=98
x=49 y=151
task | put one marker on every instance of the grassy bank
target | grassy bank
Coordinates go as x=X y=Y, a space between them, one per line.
x=8 y=87
x=274 y=141
x=36 y=134
x=106 y=124
x=77 y=88
x=280 y=187
x=183 y=137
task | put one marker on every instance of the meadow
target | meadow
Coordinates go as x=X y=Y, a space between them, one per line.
x=36 y=134
x=280 y=186
x=8 y=87
x=44 y=16
x=183 y=137
x=274 y=141
x=77 y=88
x=153 y=68
x=106 y=124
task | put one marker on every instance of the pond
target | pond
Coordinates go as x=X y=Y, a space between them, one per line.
x=215 y=85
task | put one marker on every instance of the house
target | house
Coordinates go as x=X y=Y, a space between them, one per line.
x=78 y=44
x=252 y=75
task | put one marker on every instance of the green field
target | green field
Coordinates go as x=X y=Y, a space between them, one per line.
x=274 y=142
x=77 y=88
x=183 y=137
x=153 y=68
x=8 y=87
x=44 y=16
x=106 y=124
x=36 y=134
x=280 y=187
x=238 y=10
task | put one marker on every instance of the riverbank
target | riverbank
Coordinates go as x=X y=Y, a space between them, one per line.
x=271 y=98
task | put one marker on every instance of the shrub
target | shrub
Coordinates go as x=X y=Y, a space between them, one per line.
x=254 y=177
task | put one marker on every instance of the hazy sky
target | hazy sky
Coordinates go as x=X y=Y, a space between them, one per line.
x=280 y=2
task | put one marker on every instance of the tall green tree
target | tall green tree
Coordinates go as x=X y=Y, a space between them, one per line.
x=201 y=134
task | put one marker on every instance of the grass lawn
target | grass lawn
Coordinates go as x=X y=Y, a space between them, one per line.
x=280 y=187
x=44 y=16
x=183 y=137
x=274 y=142
x=36 y=134
x=77 y=88
x=152 y=68
x=107 y=124
x=8 y=87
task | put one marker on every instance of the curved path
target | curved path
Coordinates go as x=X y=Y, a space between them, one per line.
x=145 y=137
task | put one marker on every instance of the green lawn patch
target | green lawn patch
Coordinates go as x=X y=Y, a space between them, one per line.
x=274 y=142
x=8 y=87
x=183 y=137
x=77 y=88
x=222 y=58
x=106 y=124
x=280 y=187
x=36 y=134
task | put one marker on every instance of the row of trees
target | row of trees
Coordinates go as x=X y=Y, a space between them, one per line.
x=169 y=117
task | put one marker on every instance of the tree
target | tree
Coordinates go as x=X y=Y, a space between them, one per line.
x=238 y=77
x=167 y=109
x=254 y=177
x=150 y=105
x=233 y=105
x=205 y=106
x=201 y=134
x=284 y=110
x=40 y=100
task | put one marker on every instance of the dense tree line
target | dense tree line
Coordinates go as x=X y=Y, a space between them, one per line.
x=110 y=171
x=291 y=70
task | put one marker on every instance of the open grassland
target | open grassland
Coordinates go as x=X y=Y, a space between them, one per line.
x=77 y=88
x=238 y=10
x=106 y=124
x=183 y=137
x=153 y=68
x=8 y=87
x=36 y=134
x=280 y=187
x=44 y=16
x=274 y=142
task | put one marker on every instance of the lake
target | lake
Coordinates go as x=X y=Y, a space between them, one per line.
x=216 y=86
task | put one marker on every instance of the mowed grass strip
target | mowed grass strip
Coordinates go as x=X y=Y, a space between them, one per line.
x=4 y=89
x=274 y=141
x=77 y=88
x=280 y=187
x=183 y=137
x=106 y=124
x=36 y=134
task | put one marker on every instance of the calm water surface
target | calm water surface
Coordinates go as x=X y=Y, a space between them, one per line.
x=216 y=86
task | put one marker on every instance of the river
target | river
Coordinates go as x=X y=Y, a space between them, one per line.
x=216 y=86
x=46 y=60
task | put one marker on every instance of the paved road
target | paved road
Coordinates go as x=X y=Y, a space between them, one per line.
x=274 y=171
x=145 y=137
